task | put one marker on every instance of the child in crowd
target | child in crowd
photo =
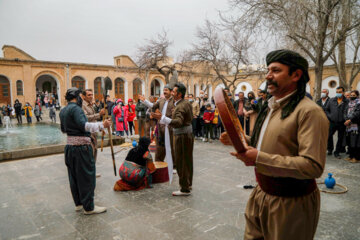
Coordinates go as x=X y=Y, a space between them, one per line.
x=208 y=117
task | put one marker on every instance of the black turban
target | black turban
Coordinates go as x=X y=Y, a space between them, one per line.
x=289 y=58
x=72 y=93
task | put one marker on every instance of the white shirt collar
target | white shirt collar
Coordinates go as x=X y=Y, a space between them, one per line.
x=177 y=101
x=274 y=104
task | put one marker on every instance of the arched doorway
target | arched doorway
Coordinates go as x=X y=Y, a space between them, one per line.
x=155 y=89
x=5 y=93
x=137 y=89
x=97 y=89
x=78 y=82
x=48 y=83
x=120 y=89
x=244 y=87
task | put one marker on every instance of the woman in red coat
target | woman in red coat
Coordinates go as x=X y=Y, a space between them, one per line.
x=121 y=116
x=131 y=115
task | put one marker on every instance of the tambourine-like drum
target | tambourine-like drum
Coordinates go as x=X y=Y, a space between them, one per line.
x=230 y=120
x=152 y=147
x=161 y=173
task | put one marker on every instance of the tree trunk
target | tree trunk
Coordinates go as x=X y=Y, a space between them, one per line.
x=318 y=79
x=342 y=65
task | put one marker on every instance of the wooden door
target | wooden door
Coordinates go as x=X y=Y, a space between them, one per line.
x=78 y=83
x=136 y=89
x=119 y=89
x=5 y=91
x=97 y=89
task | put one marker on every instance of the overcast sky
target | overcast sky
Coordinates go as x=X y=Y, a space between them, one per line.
x=94 y=31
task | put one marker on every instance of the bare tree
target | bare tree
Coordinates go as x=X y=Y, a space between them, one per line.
x=154 y=55
x=307 y=23
x=348 y=44
x=223 y=51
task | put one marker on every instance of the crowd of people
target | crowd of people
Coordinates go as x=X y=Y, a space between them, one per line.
x=18 y=110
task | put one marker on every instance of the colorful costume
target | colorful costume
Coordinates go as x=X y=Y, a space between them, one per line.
x=136 y=169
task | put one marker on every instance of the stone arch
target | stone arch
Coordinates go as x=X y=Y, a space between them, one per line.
x=19 y=88
x=330 y=83
x=46 y=81
x=79 y=82
x=138 y=88
x=244 y=87
x=5 y=90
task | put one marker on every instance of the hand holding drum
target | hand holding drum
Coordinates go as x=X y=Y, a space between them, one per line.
x=234 y=134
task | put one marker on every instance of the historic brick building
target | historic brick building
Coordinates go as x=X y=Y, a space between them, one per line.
x=22 y=76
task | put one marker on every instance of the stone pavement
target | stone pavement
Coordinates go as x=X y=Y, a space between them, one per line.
x=35 y=201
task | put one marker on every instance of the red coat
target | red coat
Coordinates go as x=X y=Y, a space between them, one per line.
x=208 y=115
x=119 y=114
x=131 y=114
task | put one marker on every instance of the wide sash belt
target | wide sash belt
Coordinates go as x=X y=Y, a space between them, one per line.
x=183 y=130
x=78 y=140
x=285 y=187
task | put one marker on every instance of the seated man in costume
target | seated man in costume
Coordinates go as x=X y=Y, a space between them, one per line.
x=136 y=169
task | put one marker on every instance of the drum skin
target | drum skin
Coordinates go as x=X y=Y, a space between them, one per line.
x=161 y=173
x=230 y=120
x=152 y=147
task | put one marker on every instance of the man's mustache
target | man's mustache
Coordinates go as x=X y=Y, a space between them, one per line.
x=270 y=82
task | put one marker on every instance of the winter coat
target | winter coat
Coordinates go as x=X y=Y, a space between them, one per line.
x=334 y=111
x=37 y=111
x=140 y=110
x=121 y=112
x=28 y=109
x=18 y=107
x=131 y=114
x=208 y=116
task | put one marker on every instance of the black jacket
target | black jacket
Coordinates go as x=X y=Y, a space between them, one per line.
x=319 y=102
x=336 y=112
x=354 y=116
x=73 y=120
x=236 y=104
x=18 y=107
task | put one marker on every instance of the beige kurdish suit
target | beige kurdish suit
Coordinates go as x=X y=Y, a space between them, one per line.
x=92 y=116
x=293 y=147
x=183 y=143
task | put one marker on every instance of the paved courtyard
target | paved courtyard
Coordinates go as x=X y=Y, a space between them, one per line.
x=35 y=201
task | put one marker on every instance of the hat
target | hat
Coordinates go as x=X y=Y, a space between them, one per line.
x=289 y=58
x=130 y=100
x=119 y=100
x=72 y=93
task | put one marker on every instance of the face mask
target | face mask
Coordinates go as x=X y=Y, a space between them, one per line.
x=191 y=100
x=201 y=95
x=323 y=95
x=338 y=95
x=27 y=105
x=353 y=98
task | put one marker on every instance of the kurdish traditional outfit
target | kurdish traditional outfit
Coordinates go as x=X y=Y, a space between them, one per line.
x=180 y=121
x=166 y=107
x=135 y=172
x=291 y=139
x=79 y=157
x=92 y=116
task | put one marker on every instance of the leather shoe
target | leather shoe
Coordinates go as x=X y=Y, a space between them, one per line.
x=337 y=155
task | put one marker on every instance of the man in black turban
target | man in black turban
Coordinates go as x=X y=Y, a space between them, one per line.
x=79 y=158
x=288 y=150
